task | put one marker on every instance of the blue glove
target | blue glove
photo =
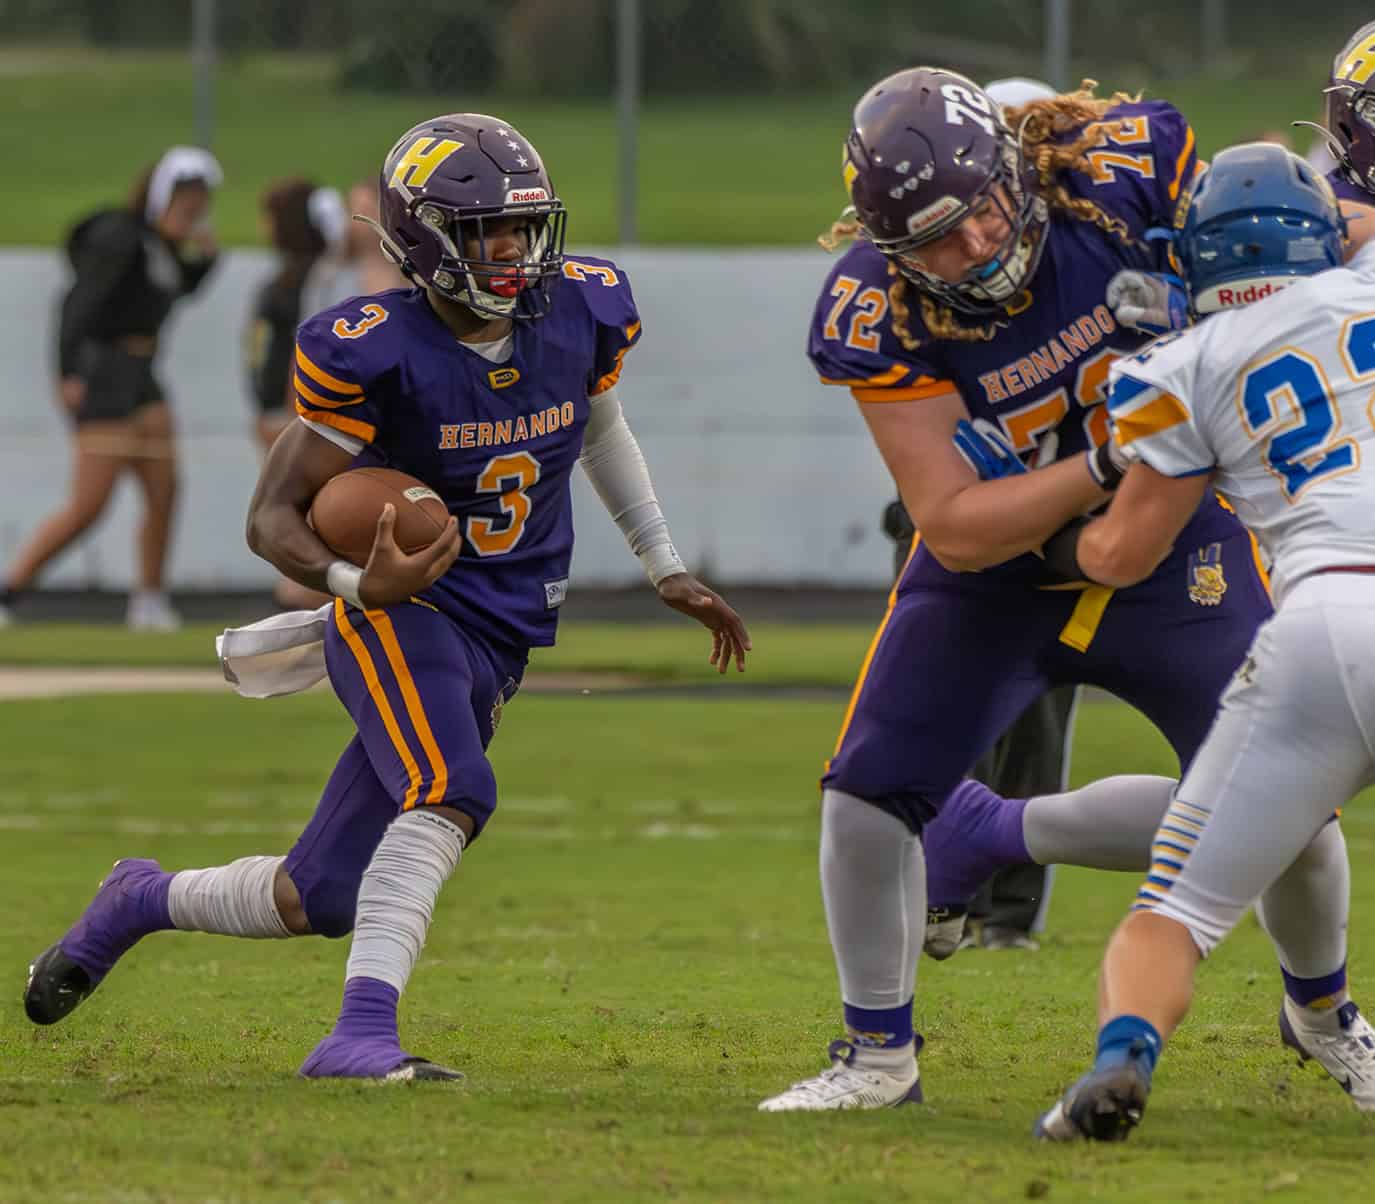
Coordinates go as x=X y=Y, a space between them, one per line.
x=1151 y=302
x=986 y=449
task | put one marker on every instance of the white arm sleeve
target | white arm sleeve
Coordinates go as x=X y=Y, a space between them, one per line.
x=616 y=467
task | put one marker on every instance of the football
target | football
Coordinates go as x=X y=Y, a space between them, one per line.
x=345 y=511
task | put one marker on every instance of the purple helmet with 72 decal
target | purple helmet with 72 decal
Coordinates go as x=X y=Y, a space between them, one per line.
x=928 y=148
x=1351 y=107
x=441 y=187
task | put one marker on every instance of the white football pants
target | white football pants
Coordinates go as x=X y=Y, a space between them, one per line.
x=1291 y=744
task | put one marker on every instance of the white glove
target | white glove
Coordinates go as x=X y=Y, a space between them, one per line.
x=1152 y=302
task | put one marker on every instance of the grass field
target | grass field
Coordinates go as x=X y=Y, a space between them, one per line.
x=723 y=169
x=624 y=965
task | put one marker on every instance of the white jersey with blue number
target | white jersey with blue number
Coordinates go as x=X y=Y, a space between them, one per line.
x=1275 y=398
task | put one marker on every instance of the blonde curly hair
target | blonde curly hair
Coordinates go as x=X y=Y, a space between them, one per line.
x=1039 y=125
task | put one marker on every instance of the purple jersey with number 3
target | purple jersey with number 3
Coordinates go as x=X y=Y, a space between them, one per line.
x=1043 y=377
x=496 y=441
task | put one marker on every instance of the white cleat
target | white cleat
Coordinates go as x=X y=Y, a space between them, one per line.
x=149 y=610
x=1342 y=1043
x=944 y=932
x=846 y=1086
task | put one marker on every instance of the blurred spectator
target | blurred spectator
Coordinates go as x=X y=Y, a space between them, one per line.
x=307 y=226
x=131 y=265
x=355 y=265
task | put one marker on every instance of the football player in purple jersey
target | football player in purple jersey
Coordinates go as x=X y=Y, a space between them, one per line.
x=971 y=320
x=1350 y=118
x=489 y=380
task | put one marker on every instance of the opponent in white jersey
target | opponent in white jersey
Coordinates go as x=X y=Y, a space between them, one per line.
x=1267 y=402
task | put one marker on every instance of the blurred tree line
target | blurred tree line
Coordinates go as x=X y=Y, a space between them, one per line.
x=566 y=47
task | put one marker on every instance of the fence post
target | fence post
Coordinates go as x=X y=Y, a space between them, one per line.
x=203 y=65
x=629 y=39
x=1057 y=35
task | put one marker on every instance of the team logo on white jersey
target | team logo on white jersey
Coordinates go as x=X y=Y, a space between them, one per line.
x=1207 y=582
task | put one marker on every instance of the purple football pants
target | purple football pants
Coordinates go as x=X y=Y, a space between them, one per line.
x=425 y=697
x=957 y=659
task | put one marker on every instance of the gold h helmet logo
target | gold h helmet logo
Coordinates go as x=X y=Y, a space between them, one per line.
x=848 y=171
x=420 y=161
x=1359 y=65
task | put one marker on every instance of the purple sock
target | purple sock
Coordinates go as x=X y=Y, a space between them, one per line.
x=130 y=904
x=879 y=1028
x=1321 y=993
x=975 y=834
x=368 y=1011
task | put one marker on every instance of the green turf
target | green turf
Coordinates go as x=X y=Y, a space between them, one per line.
x=822 y=654
x=625 y=964
x=758 y=170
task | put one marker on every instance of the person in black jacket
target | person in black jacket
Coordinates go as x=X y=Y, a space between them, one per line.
x=131 y=265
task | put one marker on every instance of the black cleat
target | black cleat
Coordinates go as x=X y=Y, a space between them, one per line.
x=1105 y=1105
x=56 y=986
x=418 y=1070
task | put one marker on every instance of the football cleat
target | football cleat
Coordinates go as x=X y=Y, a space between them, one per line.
x=1342 y=1043
x=343 y=1057
x=945 y=934
x=56 y=986
x=846 y=1085
x=123 y=911
x=1104 y=1105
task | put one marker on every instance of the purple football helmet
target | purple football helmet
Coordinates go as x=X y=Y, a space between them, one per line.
x=442 y=185
x=1351 y=107
x=928 y=148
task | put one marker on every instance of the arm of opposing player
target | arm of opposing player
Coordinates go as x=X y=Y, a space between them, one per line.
x=1360 y=226
x=1171 y=470
x=1139 y=530
x=616 y=468
x=969 y=524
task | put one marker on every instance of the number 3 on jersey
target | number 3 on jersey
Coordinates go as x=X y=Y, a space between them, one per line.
x=870 y=306
x=510 y=476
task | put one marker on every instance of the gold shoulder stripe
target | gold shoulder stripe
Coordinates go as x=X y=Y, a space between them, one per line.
x=350 y=426
x=321 y=377
x=327 y=403
x=1181 y=162
x=889 y=377
x=924 y=388
x=1157 y=415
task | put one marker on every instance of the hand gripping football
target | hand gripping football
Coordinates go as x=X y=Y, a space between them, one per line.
x=345 y=511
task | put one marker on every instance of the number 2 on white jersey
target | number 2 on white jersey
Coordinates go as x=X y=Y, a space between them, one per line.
x=1288 y=399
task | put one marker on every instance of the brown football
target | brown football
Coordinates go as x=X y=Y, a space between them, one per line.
x=345 y=511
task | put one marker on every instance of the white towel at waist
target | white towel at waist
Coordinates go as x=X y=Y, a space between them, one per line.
x=281 y=655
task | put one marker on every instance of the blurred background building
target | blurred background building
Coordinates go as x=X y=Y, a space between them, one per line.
x=695 y=141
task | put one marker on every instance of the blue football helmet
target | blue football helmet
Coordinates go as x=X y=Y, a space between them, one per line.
x=1260 y=218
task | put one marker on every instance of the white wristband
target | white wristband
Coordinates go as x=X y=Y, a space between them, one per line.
x=344 y=581
x=661 y=561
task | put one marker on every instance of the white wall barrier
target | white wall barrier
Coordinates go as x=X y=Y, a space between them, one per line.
x=767 y=477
